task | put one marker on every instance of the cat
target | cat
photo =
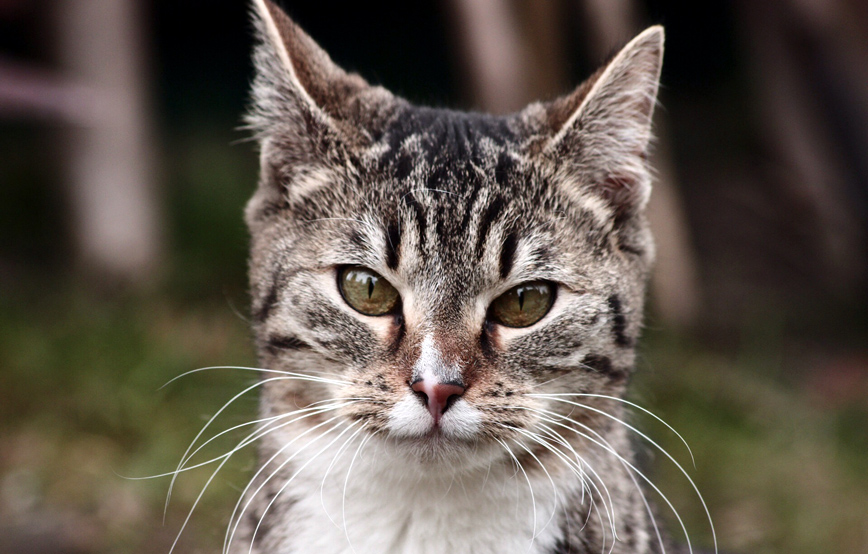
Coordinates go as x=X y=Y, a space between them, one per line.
x=446 y=307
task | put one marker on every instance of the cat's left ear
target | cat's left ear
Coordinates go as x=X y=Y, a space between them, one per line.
x=303 y=100
x=600 y=134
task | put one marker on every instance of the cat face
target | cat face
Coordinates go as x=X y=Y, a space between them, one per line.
x=434 y=272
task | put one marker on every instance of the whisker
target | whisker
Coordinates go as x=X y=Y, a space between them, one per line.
x=262 y=467
x=261 y=432
x=297 y=472
x=632 y=478
x=346 y=483
x=554 y=488
x=328 y=470
x=627 y=402
x=198 y=498
x=202 y=430
x=529 y=486
x=658 y=447
x=220 y=466
x=609 y=509
x=594 y=478
x=244 y=442
x=611 y=450
x=301 y=376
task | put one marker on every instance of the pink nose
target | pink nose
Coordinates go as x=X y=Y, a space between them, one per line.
x=437 y=396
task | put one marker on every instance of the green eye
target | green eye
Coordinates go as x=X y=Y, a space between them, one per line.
x=366 y=291
x=524 y=305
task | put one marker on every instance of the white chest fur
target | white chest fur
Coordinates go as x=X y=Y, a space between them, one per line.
x=380 y=505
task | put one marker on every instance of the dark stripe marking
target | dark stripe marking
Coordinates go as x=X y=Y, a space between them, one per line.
x=397 y=335
x=421 y=222
x=468 y=208
x=507 y=254
x=619 y=322
x=488 y=218
x=505 y=165
x=603 y=365
x=280 y=343
x=404 y=166
x=393 y=245
x=357 y=239
x=629 y=249
x=264 y=310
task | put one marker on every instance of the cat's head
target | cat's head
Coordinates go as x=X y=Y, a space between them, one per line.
x=431 y=270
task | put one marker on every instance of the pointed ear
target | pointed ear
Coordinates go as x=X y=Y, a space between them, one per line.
x=600 y=134
x=300 y=97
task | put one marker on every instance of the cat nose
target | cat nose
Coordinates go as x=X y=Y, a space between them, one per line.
x=437 y=396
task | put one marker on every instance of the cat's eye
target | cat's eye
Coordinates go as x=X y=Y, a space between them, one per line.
x=366 y=291
x=524 y=305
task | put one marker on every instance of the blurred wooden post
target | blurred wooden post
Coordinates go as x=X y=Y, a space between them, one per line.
x=809 y=61
x=109 y=150
x=491 y=53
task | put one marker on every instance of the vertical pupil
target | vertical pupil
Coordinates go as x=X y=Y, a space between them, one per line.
x=521 y=299
x=371 y=282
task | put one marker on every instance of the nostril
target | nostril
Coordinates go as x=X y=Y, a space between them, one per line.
x=421 y=394
x=438 y=397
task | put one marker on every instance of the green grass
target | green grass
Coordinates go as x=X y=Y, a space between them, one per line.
x=82 y=404
x=779 y=472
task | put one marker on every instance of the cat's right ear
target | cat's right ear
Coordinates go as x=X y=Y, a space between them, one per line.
x=306 y=111
x=598 y=137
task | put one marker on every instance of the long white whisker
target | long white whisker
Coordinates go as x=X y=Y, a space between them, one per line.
x=346 y=483
x=551 y=481
x=202 y=492
x=297 y=472
x=579 y=463
x=244 y=442
x=237 y=520
x=632 y=478
x=618 y=456
x=638 y=488
x=328 y=470
x=301 y=376
x=658 y=447
x=262 y=431
x=529 y=486
x=609 y=509
x=225 y=458
x=202 y=430
x=627 y=402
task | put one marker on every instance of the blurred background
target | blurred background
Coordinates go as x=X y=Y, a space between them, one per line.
x=122 y=248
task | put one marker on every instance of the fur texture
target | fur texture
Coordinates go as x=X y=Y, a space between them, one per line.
x=453 y=209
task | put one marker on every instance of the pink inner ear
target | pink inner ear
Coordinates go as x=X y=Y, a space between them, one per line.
x=621 y=192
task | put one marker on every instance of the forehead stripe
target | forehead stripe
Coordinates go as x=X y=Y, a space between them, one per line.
x=507 y=254
x=419 y=212
x=488 y=218
x=393 y=245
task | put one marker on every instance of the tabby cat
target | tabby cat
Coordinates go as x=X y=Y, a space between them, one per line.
x=447 y=305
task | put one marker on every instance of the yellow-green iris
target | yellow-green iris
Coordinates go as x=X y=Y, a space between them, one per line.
x=524 y=305
x=366 y=291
